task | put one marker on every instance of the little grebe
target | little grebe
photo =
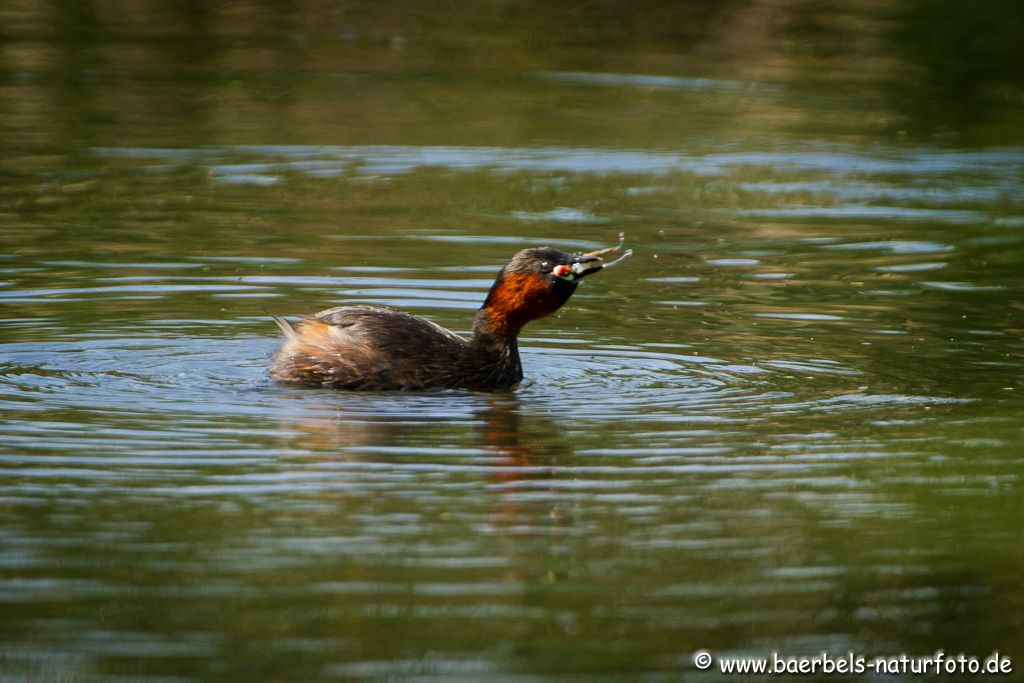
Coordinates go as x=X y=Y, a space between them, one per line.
x=376 y=348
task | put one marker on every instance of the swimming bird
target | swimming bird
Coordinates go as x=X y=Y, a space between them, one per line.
x=375 y=348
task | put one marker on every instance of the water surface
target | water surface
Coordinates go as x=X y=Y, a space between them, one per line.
x=790 y=422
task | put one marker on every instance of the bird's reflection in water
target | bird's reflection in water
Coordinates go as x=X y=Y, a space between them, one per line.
x=455 y=432
x=532 y=512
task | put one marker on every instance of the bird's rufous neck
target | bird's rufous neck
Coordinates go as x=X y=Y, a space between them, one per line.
x=514 y=300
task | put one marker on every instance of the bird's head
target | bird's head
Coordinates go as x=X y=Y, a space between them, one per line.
x=534 y=284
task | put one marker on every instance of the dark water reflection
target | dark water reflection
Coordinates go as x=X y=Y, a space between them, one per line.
x=791 y=422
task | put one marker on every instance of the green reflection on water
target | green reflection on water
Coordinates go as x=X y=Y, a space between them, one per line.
x=790 y=422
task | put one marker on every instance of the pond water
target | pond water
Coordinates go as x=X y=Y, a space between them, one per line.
x=791 y=422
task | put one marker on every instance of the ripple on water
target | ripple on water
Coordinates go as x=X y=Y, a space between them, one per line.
x=894 y=246
x=569 y=378
x=195 y=388
x=864 y=211
x=1003 y=165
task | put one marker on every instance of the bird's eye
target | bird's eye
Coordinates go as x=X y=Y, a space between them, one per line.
x=545 y=266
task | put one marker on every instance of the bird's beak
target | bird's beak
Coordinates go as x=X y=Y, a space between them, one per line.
x=578 y=266
x=584 y=265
